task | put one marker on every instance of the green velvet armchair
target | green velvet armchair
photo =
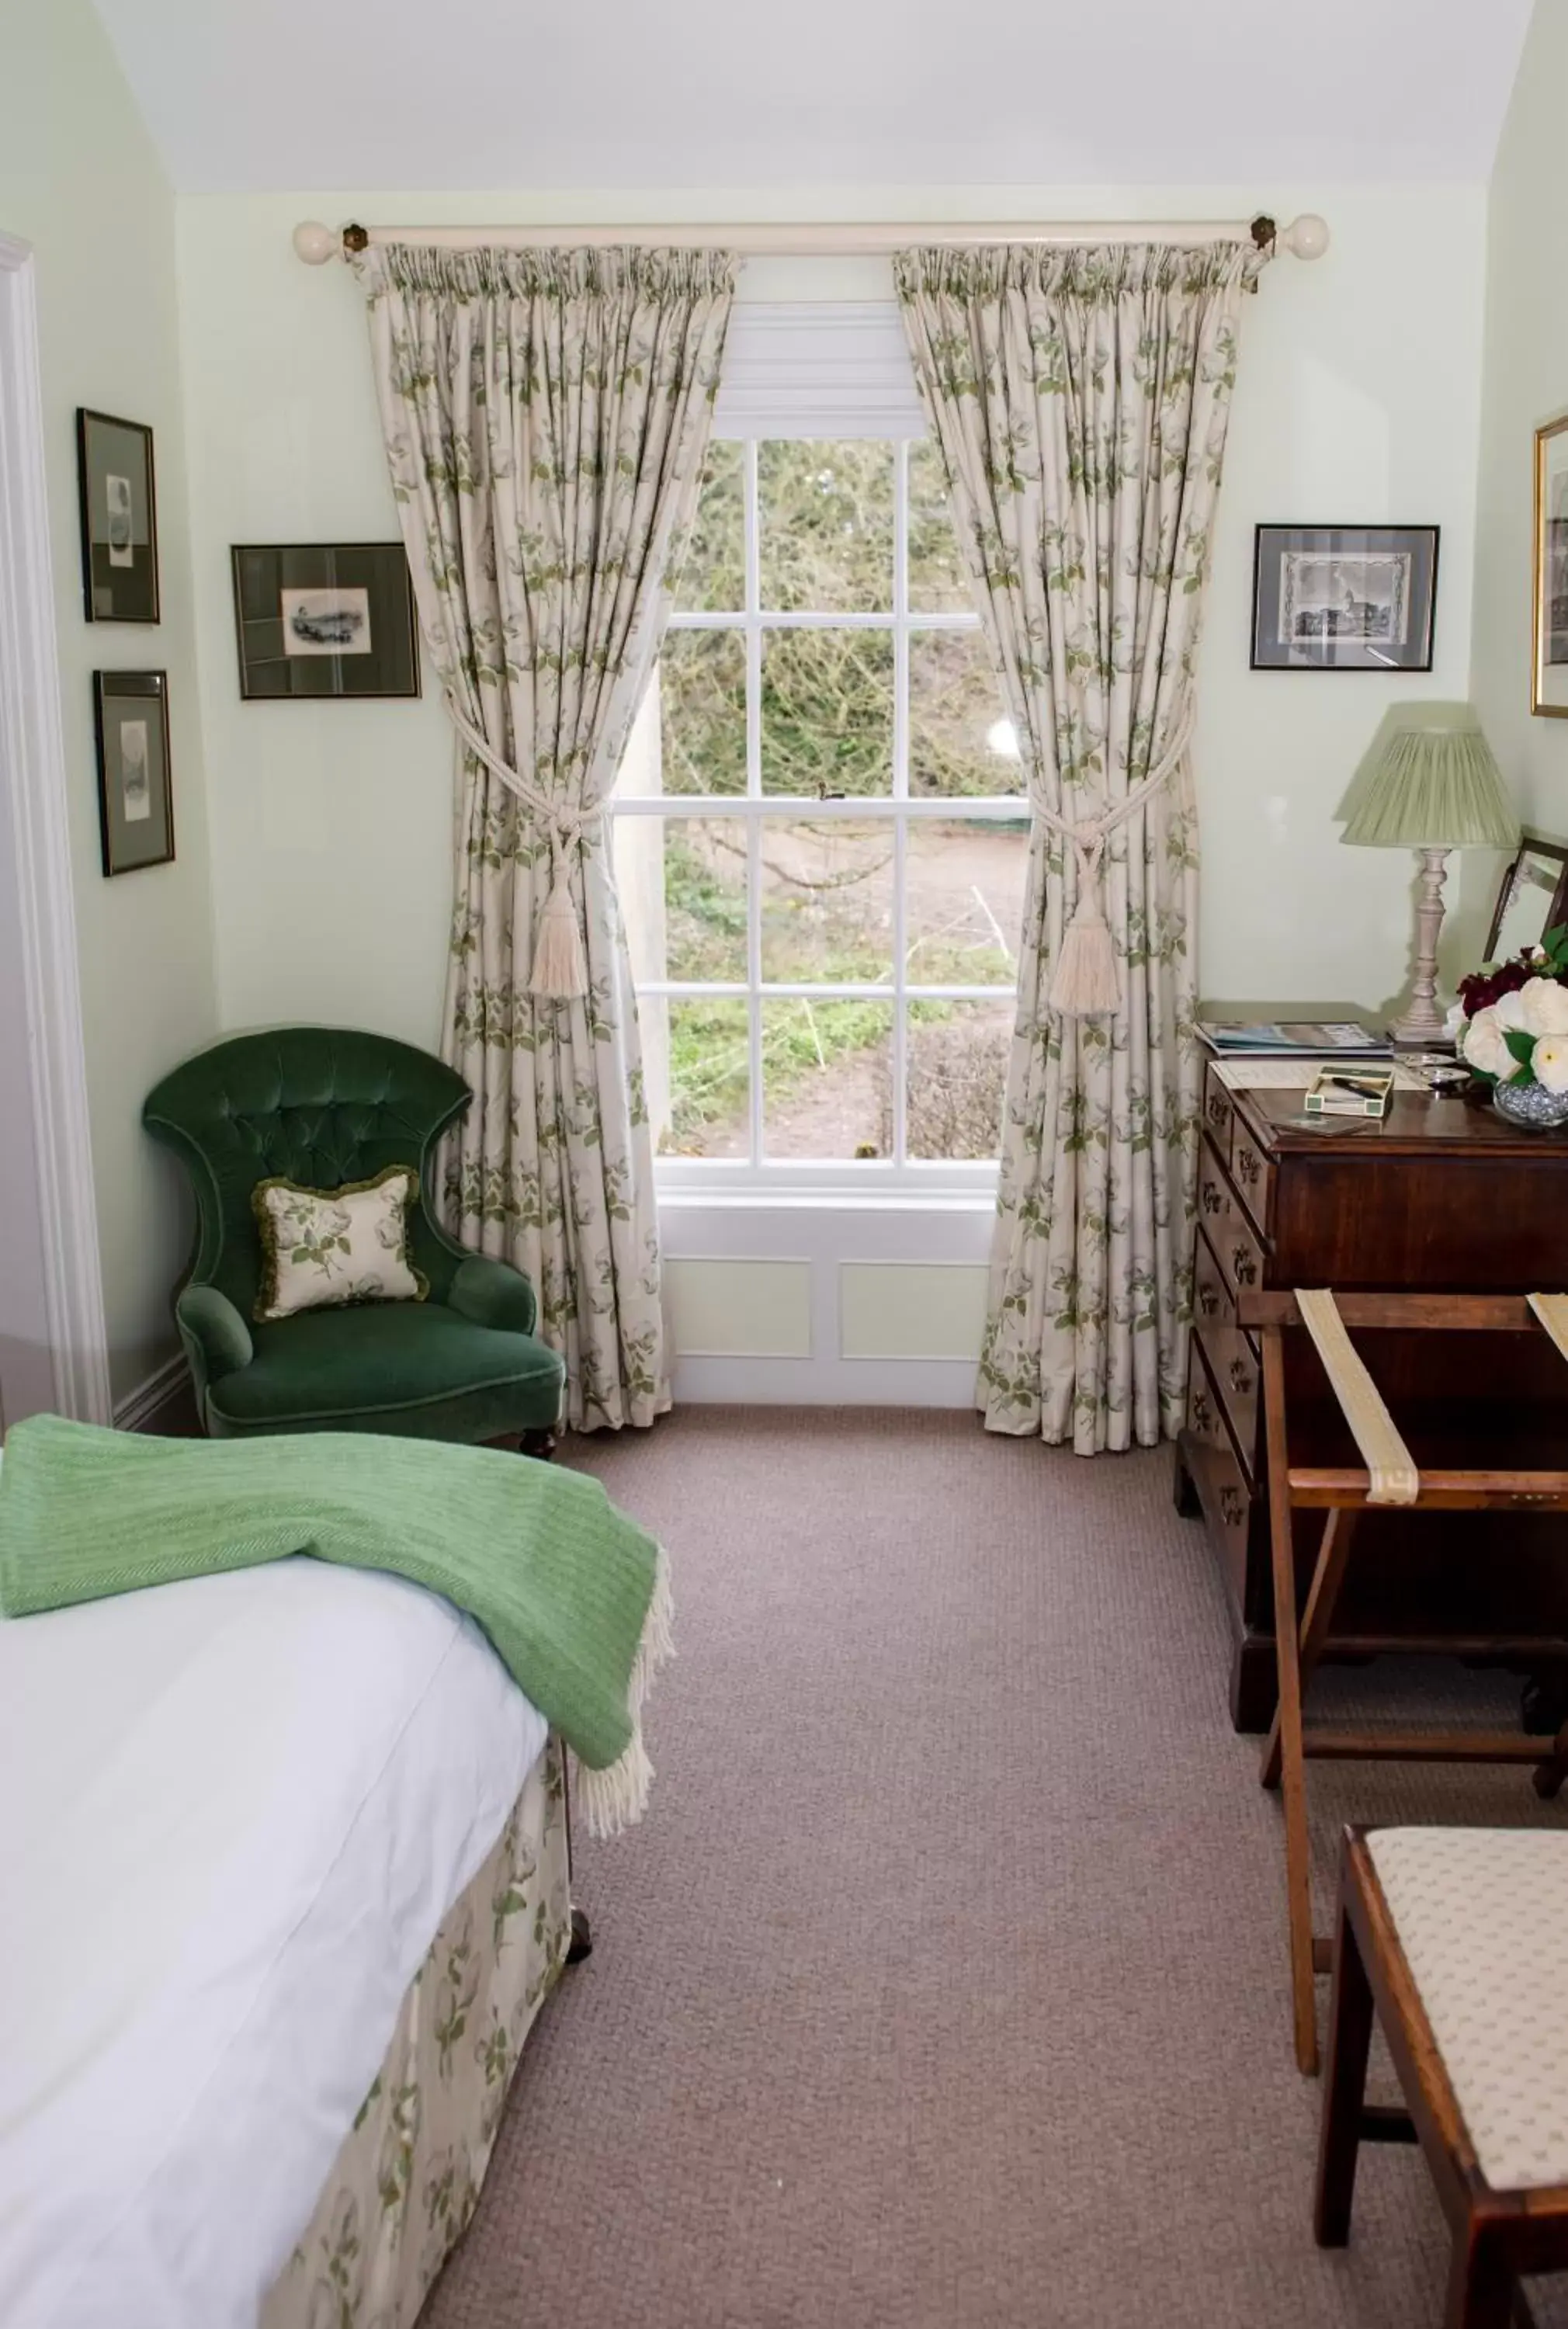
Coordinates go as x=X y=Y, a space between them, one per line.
x=324 y=1107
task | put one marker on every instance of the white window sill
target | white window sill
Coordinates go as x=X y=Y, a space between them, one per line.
x=762 y=1199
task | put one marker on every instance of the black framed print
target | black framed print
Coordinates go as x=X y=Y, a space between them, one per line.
x=119 y=518
x=135 y=798
x=1344 y=598
x=318 y=619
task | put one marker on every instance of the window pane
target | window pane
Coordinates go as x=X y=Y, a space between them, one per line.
x=697 y=1072
x=827 y=901
x=955 y=1077
x=938 y=584
x=963 y=902
x=682 y=884
x=827 y=1078
x=712 y=579
x=827 y=713
x=960 y=740
x=825 y=526
x=702 y=727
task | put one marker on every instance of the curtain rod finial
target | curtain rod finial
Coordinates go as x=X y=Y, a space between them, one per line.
x=1307 y=237
x=316 y=243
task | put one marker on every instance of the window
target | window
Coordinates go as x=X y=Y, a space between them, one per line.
x=820 y=845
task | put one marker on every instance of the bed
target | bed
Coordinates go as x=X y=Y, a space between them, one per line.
x=285 y=1884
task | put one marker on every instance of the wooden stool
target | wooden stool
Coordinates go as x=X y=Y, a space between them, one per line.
x=1390 y=1478
x=1458 y=1939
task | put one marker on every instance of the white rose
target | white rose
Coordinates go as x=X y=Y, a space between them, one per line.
x=1453 y=1026
x=1484 y=1046
x=1549 y=1062
x=1544 y=1006
x=1511 y=1008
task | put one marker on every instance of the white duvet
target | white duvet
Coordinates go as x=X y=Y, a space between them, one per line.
x=232 y=1815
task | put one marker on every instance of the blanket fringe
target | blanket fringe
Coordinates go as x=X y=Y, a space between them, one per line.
x=617 y=1797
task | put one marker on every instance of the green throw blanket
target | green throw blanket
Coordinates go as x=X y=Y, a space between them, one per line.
x=572 y=1594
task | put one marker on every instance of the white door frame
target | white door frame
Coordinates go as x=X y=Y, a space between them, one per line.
x=32 y=793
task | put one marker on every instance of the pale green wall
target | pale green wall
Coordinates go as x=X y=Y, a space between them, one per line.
x=1525 y=382
x=79 y=181
x=1359 y=399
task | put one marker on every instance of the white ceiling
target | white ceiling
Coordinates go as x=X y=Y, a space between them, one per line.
x=406 y=95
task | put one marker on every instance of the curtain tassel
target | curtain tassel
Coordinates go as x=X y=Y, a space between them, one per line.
x=1085 y=981
x=560 y=967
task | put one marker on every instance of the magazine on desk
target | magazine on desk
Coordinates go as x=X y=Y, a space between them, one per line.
x=1344 y=1039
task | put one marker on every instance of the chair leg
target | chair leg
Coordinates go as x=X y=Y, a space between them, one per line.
x=1480 y=2286
x=1293 y=1761
x=1345 y=2092
x=1553 y=1769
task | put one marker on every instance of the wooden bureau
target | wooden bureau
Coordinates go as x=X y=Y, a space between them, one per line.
x=1441 y=1195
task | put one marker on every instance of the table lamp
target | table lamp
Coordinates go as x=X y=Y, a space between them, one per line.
x=1428 y=783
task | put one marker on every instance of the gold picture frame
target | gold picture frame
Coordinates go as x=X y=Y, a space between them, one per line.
x=1549 y=641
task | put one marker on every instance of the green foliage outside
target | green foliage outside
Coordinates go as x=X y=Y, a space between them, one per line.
x=825 y=546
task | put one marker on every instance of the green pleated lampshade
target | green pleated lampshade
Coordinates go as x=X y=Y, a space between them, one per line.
x=1429 y=781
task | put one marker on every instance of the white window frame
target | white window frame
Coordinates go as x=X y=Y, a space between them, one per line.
x=873 y=1180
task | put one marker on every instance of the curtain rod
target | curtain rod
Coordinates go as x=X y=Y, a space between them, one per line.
x=1307 y=237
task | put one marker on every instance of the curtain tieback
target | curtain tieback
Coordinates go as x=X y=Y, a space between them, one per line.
x=1086 y=979
x=559 y=965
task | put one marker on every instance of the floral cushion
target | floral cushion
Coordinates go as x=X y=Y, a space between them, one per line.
x=321 y=1248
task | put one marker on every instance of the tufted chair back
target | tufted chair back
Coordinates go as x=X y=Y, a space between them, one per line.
x=316 y=1104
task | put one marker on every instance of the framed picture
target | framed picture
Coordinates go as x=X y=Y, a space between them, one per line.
x=1549 y=661
x=1344 y=598
x=119 y=519
x=1532 y=899
x=136 y=797
x=317 y=619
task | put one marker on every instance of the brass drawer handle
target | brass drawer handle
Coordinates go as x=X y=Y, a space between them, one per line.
x=1208 y=1300
x=1248 y=1166
x=1219 y=1110
x=1244 y=1266
x=1232 y=1510
x=1241 y=1381
x=1202 y=1413
x=1213 y=1202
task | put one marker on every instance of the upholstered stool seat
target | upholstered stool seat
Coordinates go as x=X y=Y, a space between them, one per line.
x=1481 y=1915
x=1456 y=1940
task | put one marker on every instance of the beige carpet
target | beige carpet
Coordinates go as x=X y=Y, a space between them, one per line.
x=945 y=1981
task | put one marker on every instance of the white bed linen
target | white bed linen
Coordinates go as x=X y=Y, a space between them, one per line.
x=232 y=1815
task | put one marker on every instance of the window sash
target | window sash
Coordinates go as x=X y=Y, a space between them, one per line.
x=821 y=1178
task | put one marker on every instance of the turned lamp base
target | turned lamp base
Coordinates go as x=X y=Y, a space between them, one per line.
x=1423 y=1027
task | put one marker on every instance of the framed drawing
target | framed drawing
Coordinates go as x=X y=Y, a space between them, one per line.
x=322 y=618
x=119 y=519
x=1549 y=661
x=1532 y=899
x=1344 y=598
x=136 y=797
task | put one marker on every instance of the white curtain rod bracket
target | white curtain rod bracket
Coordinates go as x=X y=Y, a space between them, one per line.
x=1306 y=236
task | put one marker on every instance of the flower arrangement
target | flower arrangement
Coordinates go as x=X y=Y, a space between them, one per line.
x=1511 y=1020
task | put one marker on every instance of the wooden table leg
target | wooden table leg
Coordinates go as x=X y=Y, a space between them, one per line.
x=1293 y=1763
x=1326 y=1578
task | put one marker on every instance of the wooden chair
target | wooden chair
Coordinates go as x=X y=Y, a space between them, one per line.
x=1457 y=1939
x=1390 y=1477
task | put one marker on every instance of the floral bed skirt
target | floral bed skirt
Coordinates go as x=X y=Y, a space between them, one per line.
x=408 y=2177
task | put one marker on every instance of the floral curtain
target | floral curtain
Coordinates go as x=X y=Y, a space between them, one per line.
x=1079 y=398
x=546 y=415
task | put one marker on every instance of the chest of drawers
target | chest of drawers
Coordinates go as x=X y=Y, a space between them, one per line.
x=1439 y=1195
